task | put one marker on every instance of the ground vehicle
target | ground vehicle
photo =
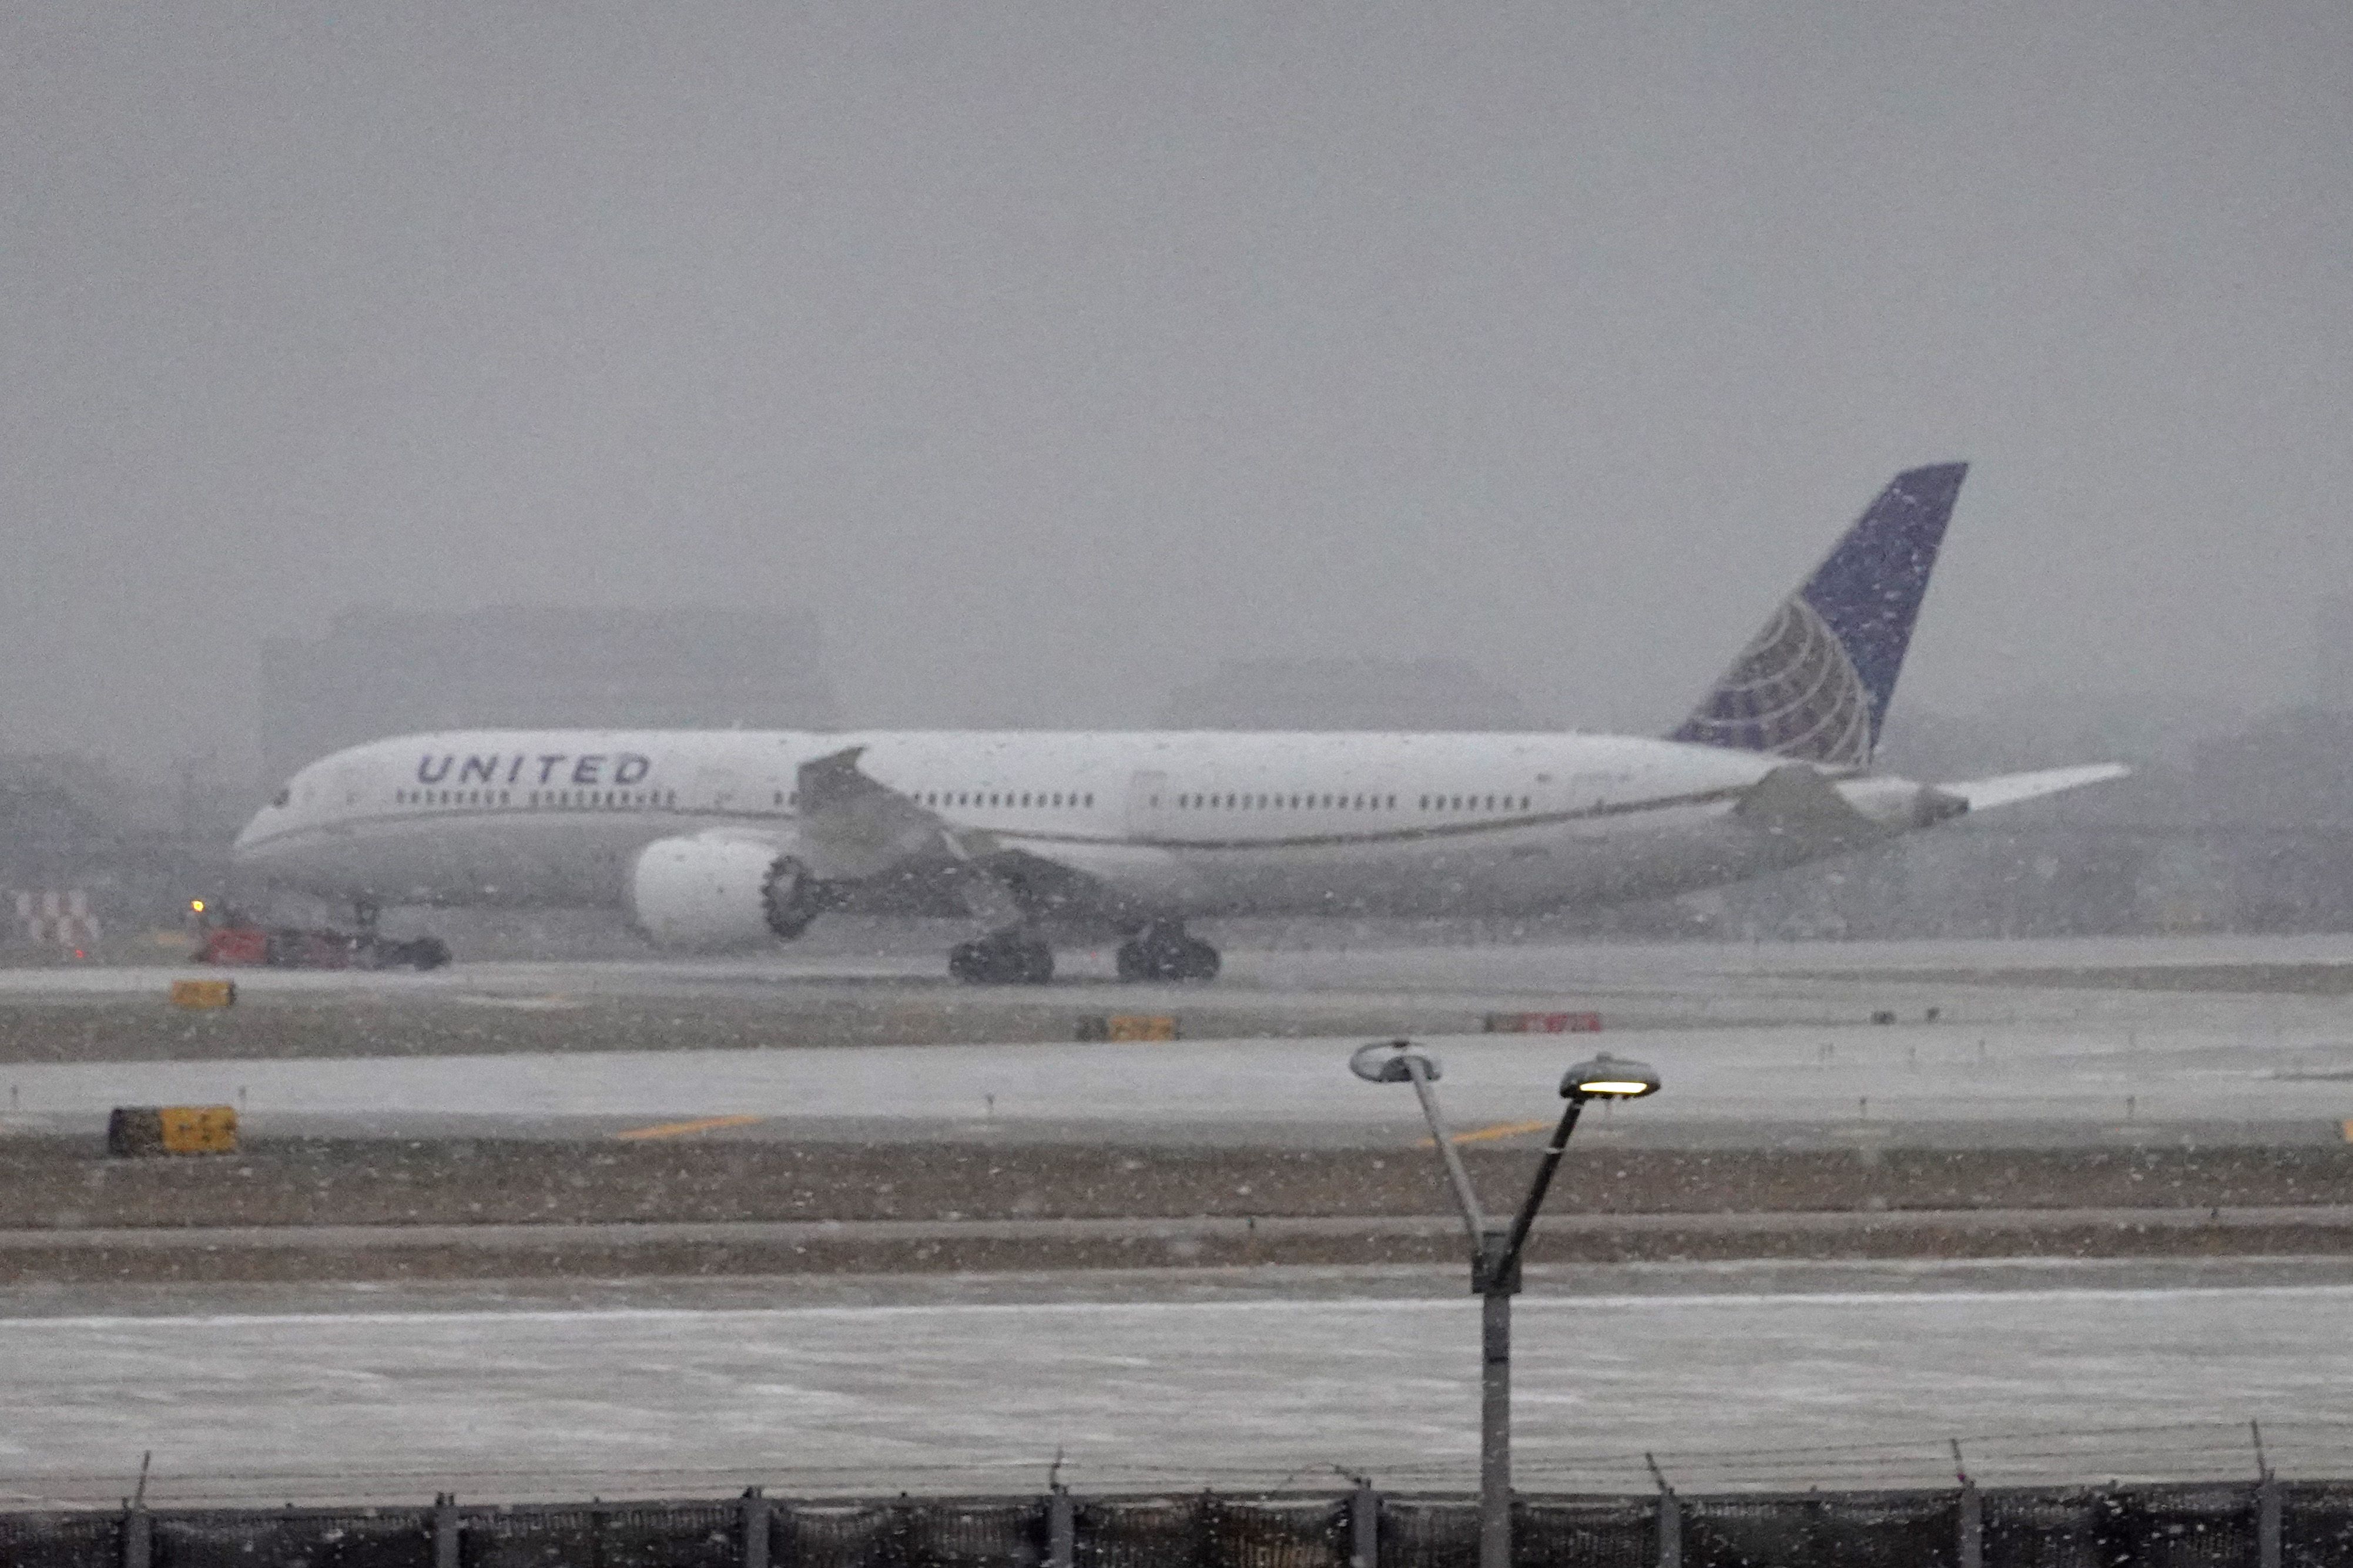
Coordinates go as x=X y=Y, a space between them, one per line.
x=234 y=942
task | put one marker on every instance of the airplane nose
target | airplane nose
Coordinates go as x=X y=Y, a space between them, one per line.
x=241 y=848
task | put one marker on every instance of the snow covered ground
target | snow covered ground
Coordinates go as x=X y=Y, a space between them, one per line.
x=2049 y=1378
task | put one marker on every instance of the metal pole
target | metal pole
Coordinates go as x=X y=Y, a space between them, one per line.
x=1670 y=1517
x=1543 y=1183
x=1495 y=1419
x=445 y=1529
x=756 y=1529
x=2267 y=1521
x=1062 y=1528
x=1364 y=1526
x=1465 y=1198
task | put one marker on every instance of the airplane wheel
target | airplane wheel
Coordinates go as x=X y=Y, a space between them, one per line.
x=1167 y=960
x=1033 y=963
x=1002 y=961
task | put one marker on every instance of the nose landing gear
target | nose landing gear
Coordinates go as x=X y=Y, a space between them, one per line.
x=370 y=950
x=1163 y=952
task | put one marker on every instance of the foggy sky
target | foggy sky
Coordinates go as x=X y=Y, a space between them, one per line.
x=1052 y=354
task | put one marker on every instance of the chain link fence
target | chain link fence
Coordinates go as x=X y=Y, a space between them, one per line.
x=2269 y=1524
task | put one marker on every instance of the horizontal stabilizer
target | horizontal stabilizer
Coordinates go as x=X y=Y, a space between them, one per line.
x=1794 y=800
x=2009 y=789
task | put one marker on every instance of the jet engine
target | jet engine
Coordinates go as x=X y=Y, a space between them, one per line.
x=720 y=894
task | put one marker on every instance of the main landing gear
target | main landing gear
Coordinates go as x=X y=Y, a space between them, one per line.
x=1163 y=952
x=1003 y=958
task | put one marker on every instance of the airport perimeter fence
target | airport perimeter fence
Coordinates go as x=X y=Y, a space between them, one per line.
x=2267 y=1524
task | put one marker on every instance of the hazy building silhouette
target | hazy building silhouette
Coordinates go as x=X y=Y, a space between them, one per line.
x=1344 y=694
x=2332 y=665
x=383 y=672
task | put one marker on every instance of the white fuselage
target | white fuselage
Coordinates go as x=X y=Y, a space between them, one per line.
x=1176 y=824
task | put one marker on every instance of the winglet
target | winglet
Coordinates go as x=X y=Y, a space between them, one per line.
x=1815 y=683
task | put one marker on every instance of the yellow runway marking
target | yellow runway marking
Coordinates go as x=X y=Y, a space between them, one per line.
x=677 y=1129
x=1483 y=1134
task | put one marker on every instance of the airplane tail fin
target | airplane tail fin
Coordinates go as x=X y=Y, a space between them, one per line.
x=1814 y=685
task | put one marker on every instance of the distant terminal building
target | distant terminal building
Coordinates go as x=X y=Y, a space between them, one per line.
x=384 y=672
x=1344 y=694
x=2332 y=627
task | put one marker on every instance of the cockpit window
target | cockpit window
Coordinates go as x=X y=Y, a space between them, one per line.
x=285 y=793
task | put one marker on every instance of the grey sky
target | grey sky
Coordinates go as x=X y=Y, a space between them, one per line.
x=1052 y=354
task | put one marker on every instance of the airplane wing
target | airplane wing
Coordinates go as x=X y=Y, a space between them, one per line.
x=853 y=826
x=884 y=852
x=2009 y=789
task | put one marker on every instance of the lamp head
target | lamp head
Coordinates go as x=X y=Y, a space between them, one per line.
x=1391 y=1061
x=1608 y=1078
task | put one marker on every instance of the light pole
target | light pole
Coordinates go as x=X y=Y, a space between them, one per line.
x=1495 y=1249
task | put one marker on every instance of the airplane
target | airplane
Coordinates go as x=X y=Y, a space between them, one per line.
x=725 y=840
